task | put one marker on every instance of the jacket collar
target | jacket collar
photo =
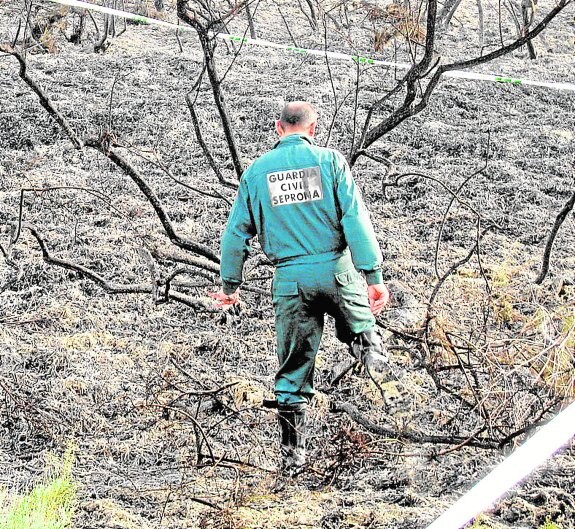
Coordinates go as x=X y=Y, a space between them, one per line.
x=294 y=138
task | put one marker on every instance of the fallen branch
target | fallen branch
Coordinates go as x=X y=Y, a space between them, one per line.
x=539 y=421
x=110 y=286
x=174 y=256
x=412 y=435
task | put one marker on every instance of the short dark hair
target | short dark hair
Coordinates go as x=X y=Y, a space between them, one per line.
x=298 y=113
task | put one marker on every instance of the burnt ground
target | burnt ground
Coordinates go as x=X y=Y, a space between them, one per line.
x=163 y=401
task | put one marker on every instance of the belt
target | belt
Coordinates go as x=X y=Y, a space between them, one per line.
x=312 y=258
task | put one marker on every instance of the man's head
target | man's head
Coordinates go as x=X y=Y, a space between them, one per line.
x=297 y=117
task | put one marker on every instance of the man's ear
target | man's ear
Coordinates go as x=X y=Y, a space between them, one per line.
x=312 y=129
x=279 y=128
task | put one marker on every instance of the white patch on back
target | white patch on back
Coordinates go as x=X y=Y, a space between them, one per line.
x=295 y=186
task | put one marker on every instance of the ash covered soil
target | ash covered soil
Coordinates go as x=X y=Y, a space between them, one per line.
x=163 y=401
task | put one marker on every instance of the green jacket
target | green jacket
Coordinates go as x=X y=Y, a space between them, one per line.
x=302 y=202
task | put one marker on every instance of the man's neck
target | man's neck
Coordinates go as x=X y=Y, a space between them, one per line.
x=296 y=133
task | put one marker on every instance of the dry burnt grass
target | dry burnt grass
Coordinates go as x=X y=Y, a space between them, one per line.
x=163 y=401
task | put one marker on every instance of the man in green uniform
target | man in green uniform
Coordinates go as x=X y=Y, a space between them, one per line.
x=302 y=202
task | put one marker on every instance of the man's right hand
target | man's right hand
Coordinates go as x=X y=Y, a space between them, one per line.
x=225 y=300
x=378 y=298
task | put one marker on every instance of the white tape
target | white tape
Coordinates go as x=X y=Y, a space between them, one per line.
x=518 y=465
x=456 y=74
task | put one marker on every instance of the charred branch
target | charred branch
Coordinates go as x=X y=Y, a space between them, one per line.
x=412 y=435
x=110 y=286
x=454 y=194
x=103 y=43
x=473 y=440
x=103 y=145
x=554 y=231
x=175 y=256
x=214 y=193
x=251 y=24
x=45 y=101
x=172 y=255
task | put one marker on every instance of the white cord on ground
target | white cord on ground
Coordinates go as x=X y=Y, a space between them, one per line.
x=511 y=471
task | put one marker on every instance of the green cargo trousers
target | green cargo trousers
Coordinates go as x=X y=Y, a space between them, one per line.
x=302 y=294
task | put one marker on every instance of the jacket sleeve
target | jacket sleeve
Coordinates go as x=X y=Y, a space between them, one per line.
x=240 y=229
x=356 y=224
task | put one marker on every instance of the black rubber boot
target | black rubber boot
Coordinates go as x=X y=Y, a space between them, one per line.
x=368 y=348
x=292 y=421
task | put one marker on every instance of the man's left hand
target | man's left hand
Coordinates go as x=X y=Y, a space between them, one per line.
x=225 y=300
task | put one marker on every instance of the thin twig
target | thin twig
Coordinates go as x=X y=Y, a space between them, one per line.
x=287 y=27
x=205 y=147
x=446 y=213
